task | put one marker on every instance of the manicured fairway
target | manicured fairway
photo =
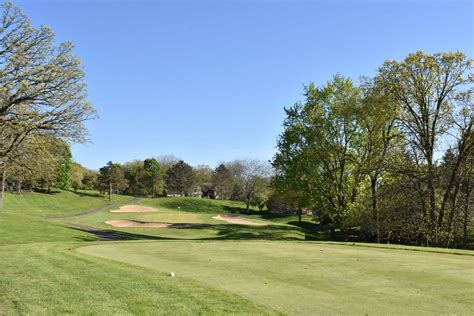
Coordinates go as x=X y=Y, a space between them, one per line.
x=304 y=278
x=53 y=279
x=50 y=267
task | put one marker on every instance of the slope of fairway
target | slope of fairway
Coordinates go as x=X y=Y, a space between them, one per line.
x=23 y=218
x=41 y=274
x=305 y=278
x=53 y=279
x=56 y=203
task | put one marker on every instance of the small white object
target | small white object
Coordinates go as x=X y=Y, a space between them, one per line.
x=179 y=207
x=172 y=274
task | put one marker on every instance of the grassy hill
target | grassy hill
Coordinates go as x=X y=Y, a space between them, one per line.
x=53 y=263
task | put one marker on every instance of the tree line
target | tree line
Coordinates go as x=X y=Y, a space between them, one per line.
x=242 y=180
x=389 y=159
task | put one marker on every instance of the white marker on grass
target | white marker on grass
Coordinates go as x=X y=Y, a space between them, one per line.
x=172 y=274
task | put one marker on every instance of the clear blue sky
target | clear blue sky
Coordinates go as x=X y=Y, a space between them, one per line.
x=207 y=80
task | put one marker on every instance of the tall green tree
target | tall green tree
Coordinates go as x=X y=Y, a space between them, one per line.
x=251 y=178
x=377 y=119
x=112 y=179
x=135 y=175
x=42 y=88
x=433 y=89
x=153 y=176
x=222 y=180
x=321 y=153
x=77 y=175
x=180 y=178
x=64 y=171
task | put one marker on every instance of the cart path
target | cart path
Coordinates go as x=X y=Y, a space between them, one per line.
x=94 y=210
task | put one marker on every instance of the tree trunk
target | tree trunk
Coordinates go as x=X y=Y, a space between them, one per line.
x=299 y=216
x=466 y=211
x=375 y=211
x=332 y=234
x=465 y=220
x=2 y=192
x=432 y=199
x=110 y=191
x=452 y=214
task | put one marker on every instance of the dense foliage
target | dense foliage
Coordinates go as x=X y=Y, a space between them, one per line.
x=391 y=158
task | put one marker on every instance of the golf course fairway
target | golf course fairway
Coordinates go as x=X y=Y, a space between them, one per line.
x=56 y=260
x=311 y=278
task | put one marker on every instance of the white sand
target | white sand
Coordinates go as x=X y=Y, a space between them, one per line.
x=134 y=209
x=233 y=219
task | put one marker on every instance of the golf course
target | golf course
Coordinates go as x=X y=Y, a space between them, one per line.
x=59 y=256
x=236 y=157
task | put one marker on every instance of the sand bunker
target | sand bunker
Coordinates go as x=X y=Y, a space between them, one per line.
x=134 y=209
x=234 y=219
x=130 y=223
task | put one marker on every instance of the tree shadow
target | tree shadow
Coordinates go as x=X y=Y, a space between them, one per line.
x=112 y=235
x=88 y=194
x=223 y=232
x=45 y=191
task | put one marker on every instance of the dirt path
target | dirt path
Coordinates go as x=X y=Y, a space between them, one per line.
x=94 y=210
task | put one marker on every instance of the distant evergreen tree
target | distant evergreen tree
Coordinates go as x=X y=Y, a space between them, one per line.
x=180 y=178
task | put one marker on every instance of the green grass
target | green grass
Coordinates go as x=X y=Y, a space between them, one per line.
x=48 y=267
x=56 y=203
x=203 y=212
x=23 y=217
x=53 y=279
x=307 y=278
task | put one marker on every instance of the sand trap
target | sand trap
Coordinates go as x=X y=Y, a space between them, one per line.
x=130 y=223
x=234 y=219
x=134 y=209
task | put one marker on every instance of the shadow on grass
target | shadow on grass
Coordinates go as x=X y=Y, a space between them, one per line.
x=223 y=232
x=83 y=193
x=45 y=191
x=111 y=235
